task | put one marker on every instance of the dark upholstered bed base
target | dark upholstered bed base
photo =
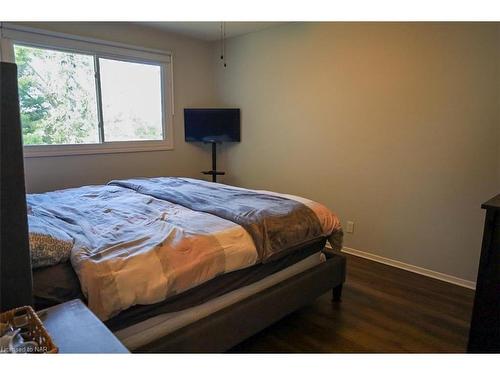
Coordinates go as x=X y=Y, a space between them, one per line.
x=228 y=327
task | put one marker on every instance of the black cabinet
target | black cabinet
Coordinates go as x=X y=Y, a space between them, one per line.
x=484 y=336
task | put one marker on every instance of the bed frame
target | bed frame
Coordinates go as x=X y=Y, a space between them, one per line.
x=225 y=328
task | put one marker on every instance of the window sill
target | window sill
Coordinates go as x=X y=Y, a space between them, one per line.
x=94 y=149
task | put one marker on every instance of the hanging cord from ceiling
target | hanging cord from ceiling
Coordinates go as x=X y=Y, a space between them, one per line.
x=223 y=43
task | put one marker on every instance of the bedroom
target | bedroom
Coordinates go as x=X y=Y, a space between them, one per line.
x=391 y=126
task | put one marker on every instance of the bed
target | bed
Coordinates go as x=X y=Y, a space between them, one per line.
x=182 y=265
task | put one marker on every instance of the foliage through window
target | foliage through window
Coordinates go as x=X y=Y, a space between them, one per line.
x=69 y=98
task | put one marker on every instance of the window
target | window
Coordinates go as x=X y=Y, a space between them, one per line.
x=131 y=97
x=87 y=97
x=57 y=96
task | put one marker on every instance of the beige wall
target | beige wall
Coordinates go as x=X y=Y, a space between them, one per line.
x=193 y=86
x=394 y=126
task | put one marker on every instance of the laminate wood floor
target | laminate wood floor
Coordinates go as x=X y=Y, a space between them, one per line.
x=383 y=310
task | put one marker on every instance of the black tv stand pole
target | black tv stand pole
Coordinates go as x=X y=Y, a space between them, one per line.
x=214 y=172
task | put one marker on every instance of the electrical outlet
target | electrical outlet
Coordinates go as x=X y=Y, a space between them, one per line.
x=350 y=227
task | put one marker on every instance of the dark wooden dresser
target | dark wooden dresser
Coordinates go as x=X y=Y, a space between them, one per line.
x=484 y=336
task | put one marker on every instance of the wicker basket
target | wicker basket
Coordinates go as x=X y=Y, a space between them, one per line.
x=34 y=329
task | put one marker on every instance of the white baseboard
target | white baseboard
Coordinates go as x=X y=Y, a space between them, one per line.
x=409 y=267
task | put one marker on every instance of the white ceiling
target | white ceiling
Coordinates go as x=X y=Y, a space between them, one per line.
x=210 y=31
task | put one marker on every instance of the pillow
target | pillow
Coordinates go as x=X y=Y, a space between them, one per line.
x=48 y=244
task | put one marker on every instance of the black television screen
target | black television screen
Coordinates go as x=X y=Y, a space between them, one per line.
x=212 y=124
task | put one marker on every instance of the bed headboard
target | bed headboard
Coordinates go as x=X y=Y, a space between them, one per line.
x=15 y=263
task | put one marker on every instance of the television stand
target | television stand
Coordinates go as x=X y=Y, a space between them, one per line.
x=214 y=172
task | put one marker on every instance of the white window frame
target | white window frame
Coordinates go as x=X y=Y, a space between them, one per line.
x=26 y=36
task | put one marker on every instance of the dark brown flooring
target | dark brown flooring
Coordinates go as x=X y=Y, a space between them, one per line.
x=383 y=310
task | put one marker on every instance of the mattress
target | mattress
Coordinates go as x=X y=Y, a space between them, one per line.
x=149 y=330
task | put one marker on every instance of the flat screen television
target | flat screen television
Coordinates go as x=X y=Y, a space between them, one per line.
x=212 y=124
